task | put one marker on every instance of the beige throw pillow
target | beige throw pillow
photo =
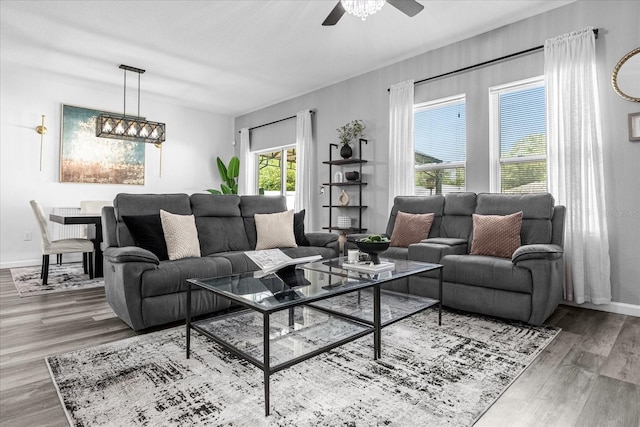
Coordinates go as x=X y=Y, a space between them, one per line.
x=496 y=235
x=180 y=234
x=275 y=230
x=410 y=228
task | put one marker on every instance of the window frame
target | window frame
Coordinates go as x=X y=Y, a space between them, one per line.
x=283 y=149
x=441 y=102
x=495 y=162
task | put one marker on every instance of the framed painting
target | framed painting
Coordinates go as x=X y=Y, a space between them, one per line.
x=85 y=158
x=634 y=127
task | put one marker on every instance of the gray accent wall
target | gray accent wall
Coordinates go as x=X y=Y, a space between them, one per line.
x=365 y=97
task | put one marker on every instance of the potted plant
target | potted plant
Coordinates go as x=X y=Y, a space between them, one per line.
x=348 y=133
x=229 y=175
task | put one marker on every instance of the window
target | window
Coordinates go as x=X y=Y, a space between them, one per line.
x=277 y=177
x=518 y=137
x=440 y=139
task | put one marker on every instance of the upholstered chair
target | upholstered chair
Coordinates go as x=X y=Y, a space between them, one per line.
x=58 y=247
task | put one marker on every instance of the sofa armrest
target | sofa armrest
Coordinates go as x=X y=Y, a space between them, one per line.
x=427 y=251
x=539 y=251
x=130 y=254
x=321 y=239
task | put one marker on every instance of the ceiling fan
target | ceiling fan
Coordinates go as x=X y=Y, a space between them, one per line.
x=408 y=7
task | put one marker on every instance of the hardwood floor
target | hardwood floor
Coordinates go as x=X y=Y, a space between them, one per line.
x=588 y=376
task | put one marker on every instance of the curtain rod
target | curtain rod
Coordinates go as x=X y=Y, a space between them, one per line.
x=470 y=67
x=277 y=121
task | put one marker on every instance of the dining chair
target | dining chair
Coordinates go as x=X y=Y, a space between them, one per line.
x=62 y=246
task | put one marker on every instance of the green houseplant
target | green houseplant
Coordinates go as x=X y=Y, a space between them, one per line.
x=347 y=133
x=229 y=175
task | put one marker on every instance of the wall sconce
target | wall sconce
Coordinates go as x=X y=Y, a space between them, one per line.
x=41 y=130
x=158 y=145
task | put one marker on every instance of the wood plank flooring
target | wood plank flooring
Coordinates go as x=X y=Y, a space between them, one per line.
x=588 y=376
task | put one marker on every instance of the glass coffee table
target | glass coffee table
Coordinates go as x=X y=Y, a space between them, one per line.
x=299 y=313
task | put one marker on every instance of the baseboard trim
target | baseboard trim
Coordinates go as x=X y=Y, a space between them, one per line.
x=613 y=307
x=36 y=262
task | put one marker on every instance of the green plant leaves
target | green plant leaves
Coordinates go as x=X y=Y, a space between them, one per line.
x=229 y=175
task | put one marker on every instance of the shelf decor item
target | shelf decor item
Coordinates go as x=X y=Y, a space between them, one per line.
x=352 y=176
x=343 y=199
x=346 y=134
x=344 y=222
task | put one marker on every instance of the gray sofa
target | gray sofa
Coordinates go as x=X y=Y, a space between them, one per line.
x=145 y=291
x=527 y=287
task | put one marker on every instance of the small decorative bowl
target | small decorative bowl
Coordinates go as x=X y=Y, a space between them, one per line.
x=373 y=249
x=352 y=176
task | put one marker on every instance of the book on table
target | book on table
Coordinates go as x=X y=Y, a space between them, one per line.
x=273 y=260
x=367 y=267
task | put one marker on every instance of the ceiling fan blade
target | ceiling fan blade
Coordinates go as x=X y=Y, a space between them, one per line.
x=335 y=15
x=408 y=7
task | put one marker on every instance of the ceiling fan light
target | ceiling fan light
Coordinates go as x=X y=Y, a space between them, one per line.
x=362 y=8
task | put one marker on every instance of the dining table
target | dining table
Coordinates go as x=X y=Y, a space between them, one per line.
x=87 y=219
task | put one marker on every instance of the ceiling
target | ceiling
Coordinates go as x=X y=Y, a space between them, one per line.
x=233 y=57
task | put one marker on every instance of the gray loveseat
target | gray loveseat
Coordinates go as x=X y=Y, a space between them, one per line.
x=145 y=291
x=527 y=287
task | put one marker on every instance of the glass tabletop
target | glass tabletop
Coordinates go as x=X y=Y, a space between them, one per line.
x=307 y=283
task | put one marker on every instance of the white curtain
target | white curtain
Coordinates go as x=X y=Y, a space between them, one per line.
x=401 y=152
x=247 y=182
x=303 y=163
x=575 y=163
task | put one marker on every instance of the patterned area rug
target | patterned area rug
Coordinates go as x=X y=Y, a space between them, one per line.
x=428 y=375
x=65 y=277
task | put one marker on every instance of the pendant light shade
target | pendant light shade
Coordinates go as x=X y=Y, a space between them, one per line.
x=128 y=127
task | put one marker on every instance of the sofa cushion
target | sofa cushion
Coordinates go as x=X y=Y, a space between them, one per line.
x=147 y=232
x=219 y=223
x=145 y=204
x=410 y=228
x=418 y=205
x=537 y=212
x=275 y=230
x=181 y=235
x=487 y=272
x=456 y=221
x=395 y=253
x=298 y=228
x=251 y=205
x=496 y=235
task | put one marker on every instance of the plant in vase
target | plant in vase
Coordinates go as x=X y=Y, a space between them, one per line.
x=347 y=133
x=229 y=175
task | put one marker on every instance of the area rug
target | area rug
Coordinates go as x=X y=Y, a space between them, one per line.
x=65 y=277
x=428 y=375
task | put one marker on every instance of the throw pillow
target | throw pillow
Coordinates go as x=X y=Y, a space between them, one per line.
x=181 y=235
x=275 y=230
x=496 y=235
x=410 y=228
x=298 y=229
x=147 y=232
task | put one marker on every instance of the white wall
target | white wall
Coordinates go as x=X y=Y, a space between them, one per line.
x=194 y=139
x=366 y=97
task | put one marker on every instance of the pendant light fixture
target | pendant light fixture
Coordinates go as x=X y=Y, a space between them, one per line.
x=127 y=127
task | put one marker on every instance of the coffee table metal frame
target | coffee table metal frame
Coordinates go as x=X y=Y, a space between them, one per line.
x=374 y=327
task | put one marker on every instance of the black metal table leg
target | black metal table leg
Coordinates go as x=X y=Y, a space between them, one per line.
x=377 y=332
x=267 y=367
x=188 y=321
x=440 y=297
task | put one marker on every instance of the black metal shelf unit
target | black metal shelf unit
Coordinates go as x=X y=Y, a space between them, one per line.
x=359 y=183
